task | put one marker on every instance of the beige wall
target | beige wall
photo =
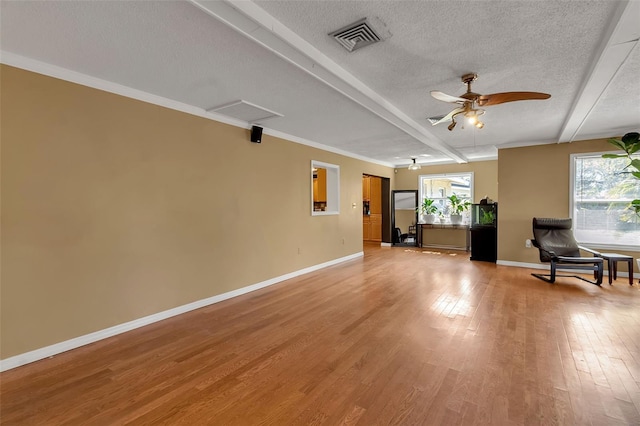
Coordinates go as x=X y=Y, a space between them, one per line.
x=114 y=209
x=534 y=182
x=444 y=238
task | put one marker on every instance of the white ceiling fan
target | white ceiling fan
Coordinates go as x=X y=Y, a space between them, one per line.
x=470 y=102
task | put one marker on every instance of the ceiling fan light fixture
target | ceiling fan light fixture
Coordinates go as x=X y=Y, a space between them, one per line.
x=468 y=101
x=414 y=165
x=472 y=118
x=473 y=114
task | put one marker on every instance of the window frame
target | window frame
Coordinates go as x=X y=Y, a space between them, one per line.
x=471 y=198
x=572 y=202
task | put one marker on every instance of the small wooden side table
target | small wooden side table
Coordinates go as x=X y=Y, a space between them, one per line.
x=612 y=265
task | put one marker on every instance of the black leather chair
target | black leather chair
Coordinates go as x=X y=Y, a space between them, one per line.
x=554 y=238
x=397 y=236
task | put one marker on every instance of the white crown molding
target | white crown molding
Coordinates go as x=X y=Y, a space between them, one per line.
x=317 y=145
x=55 y=349
x=256 y=24
x=108 y=86
x=49 y=70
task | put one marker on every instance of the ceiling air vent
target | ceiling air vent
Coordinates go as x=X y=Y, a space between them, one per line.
x=356 y=35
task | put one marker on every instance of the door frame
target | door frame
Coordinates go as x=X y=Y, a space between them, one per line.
x=393 y=215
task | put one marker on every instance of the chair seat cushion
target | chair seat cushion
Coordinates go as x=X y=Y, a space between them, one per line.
x=578 y=260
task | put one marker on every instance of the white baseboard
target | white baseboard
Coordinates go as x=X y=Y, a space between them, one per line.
x=55 y=349
x=546 y=266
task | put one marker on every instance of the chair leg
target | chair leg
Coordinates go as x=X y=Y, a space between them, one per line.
x=543 y=277
x=600 y=272
x=552 y=275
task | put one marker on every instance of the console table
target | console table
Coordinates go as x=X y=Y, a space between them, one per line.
x=459 y=228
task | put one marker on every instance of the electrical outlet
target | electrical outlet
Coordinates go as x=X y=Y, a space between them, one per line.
x=527 y=243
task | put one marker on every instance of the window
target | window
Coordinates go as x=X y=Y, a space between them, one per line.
x=325 y=188
x=440 y=187
x=600 y=194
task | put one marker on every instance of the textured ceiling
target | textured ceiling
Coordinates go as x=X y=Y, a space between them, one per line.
x=372 y=102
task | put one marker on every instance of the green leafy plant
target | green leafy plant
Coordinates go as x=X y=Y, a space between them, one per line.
x=487 y=217
x=630 y=144
x=428 y=206
x=458 y=205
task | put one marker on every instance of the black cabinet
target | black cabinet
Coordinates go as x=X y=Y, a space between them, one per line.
x=484 y=232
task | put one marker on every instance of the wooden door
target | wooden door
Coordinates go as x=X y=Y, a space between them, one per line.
x=366 y=228
x=321 y=188
x=376 y=195
x=366 y=188
x=375 y=232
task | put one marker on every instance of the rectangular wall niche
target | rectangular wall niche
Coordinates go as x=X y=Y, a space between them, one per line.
x=325 y=188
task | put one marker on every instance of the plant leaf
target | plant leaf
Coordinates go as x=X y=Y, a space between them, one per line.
x=617 y=143
x=631 y=137
x=613 y=155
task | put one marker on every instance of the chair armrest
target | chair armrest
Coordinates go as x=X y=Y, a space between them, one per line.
x=595 y=253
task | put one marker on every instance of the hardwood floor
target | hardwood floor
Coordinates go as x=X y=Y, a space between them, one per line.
x=403 y=336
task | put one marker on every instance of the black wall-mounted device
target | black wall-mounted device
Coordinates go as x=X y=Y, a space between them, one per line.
x=256 y=134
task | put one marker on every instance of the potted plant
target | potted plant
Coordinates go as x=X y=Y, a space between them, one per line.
x=458 y=206
x=428 y=210
x=630 y=144
x=441 y=217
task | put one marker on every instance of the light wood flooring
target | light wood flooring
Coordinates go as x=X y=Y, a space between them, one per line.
x=403 y=336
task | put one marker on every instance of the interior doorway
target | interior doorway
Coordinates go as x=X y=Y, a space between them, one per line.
x=372 y=210
x=376 y=209
x=404 y=217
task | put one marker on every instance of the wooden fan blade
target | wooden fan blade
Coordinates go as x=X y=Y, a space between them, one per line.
x=443 y=118
x=447 y=98
x=500 y=98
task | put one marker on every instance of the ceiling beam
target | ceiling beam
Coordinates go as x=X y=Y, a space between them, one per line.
x=617 y=44
x=256 y=24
